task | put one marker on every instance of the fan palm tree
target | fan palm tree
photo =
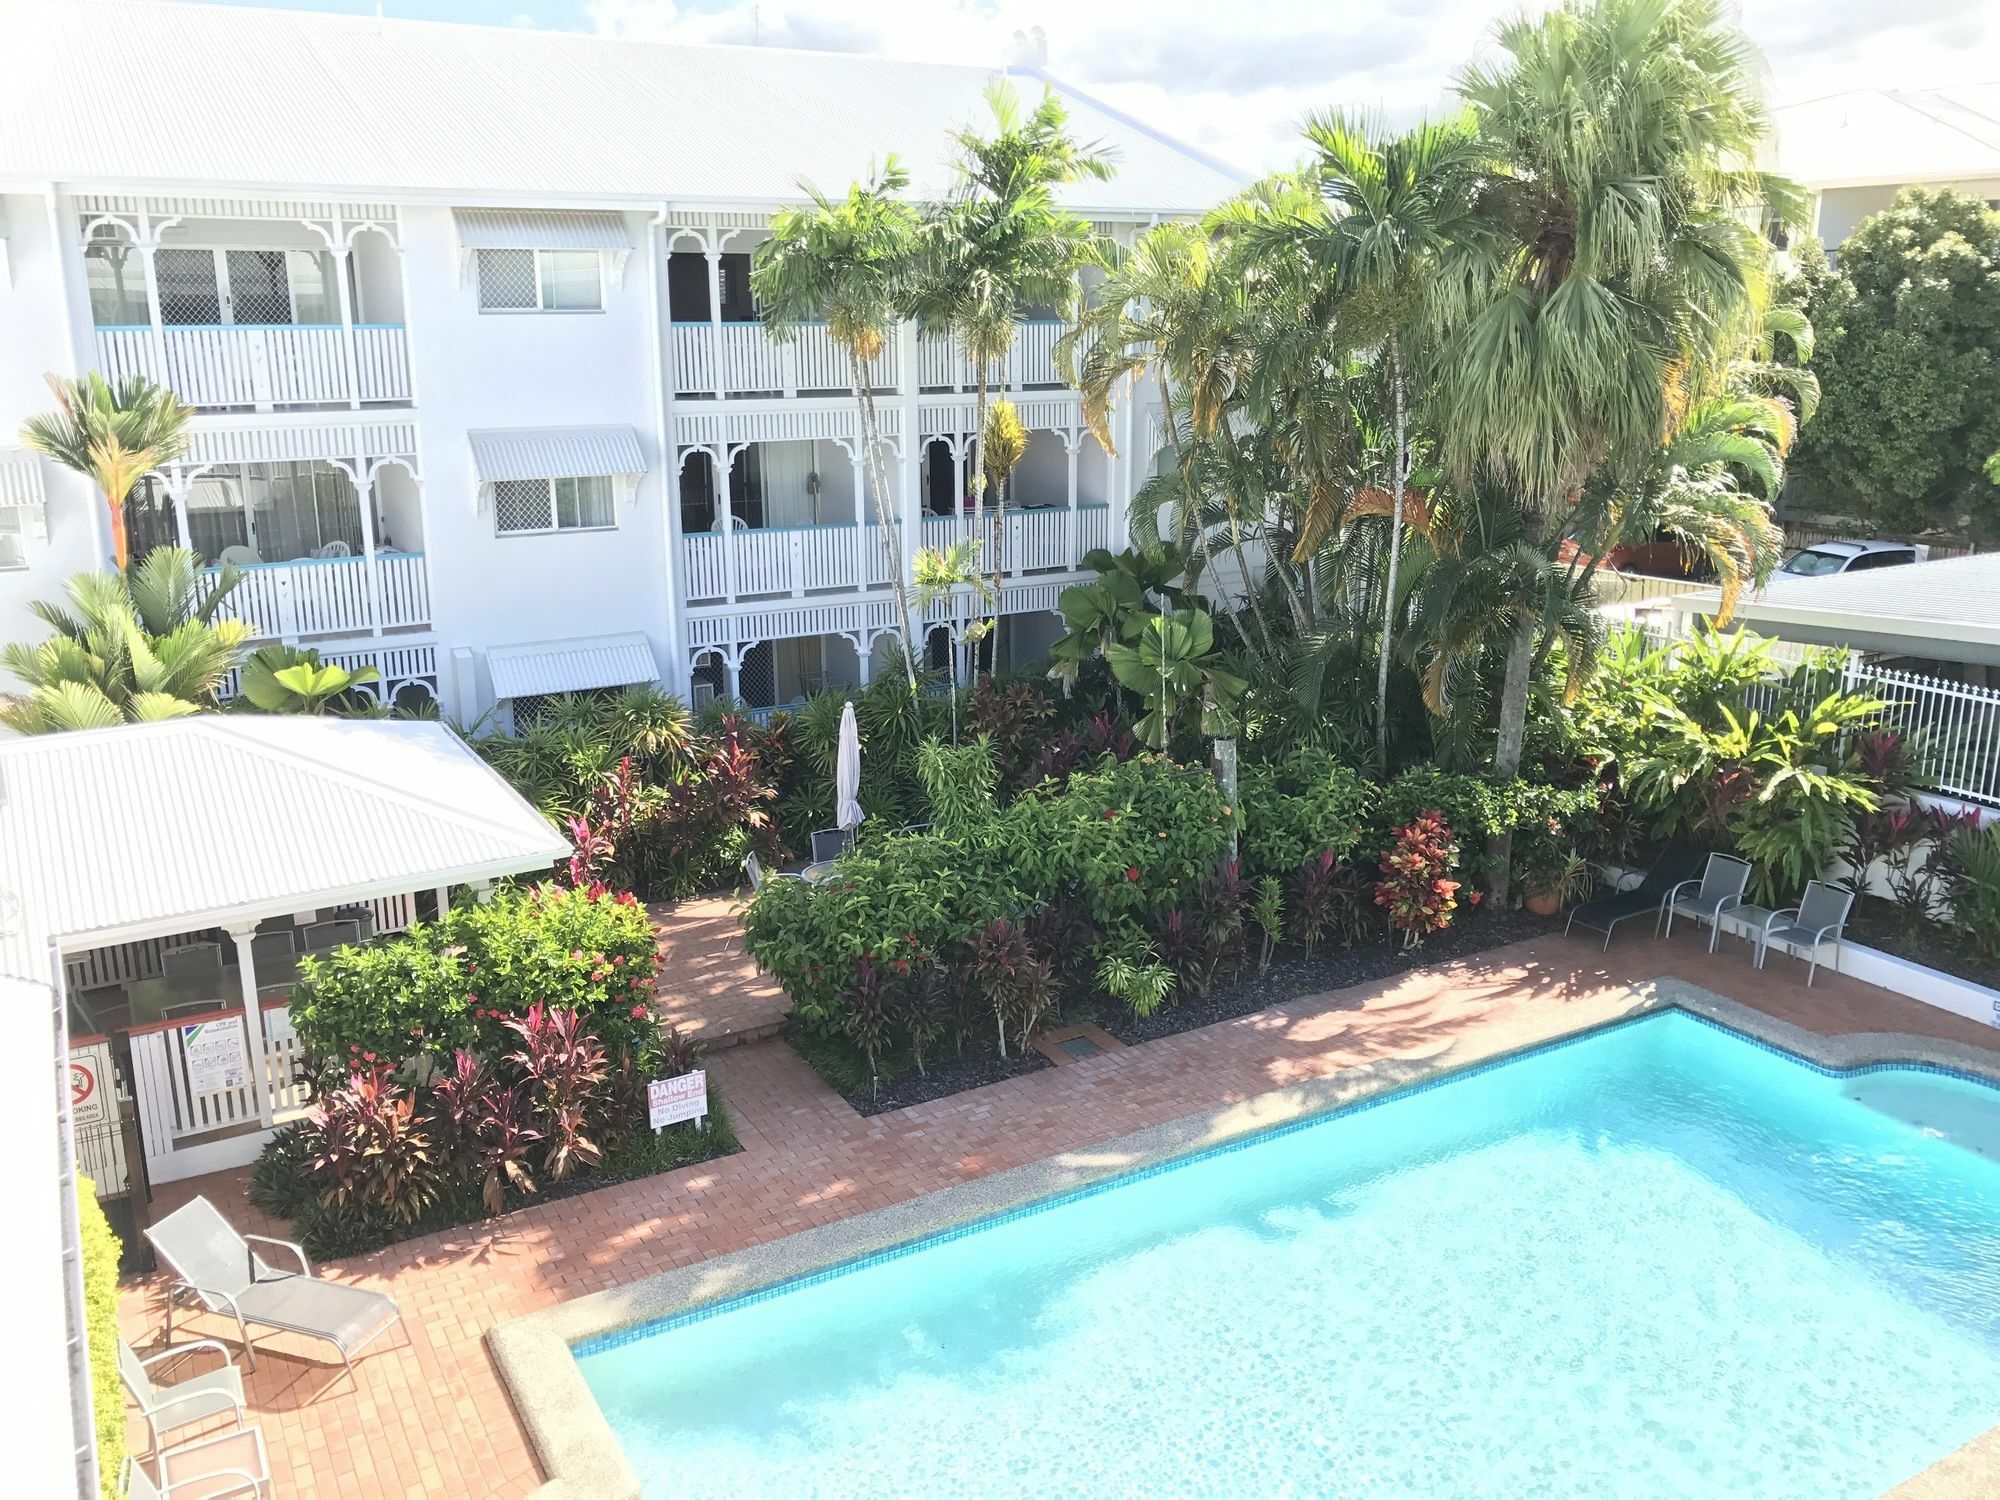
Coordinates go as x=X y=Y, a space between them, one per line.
x=1396 y=202
x=134 y=646
x=849 y=261
x=1002 y=244
x=1614 y=264
x=112 y=435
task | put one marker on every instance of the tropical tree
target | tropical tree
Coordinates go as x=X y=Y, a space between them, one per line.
x=140 y=645
x=293 y=680
x=1614 y=267
x=1397 y=201
x=1171 y=659
x=1001 y=244
x=849 y=261
x=113 y=436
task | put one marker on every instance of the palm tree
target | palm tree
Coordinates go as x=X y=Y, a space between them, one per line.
x=112 y=435
x=849 y=262
x=133 y=646
x=1002 y=245
x=294 y=680
x=1396 y=202
x=1614 y=265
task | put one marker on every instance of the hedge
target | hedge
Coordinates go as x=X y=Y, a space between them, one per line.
x=101 y=1251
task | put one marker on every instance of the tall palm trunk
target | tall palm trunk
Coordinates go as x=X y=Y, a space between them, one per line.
x=1402 y=480
x=979 y=494
x=892 y=534
x=1512 y=730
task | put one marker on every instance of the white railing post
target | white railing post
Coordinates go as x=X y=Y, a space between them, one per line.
x=261 y=1086
x=257 y=354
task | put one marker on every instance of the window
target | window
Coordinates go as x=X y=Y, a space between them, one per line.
x=116 y=277
x=13 y=548
x=541 y=281
x=539 y=505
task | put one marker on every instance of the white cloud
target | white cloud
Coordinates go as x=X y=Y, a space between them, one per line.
x=1236 y=78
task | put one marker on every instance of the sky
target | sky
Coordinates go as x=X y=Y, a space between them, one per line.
x=1235 y=77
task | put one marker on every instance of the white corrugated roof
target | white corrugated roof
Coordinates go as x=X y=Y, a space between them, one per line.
x=279 y=101
x=1947 y=610
x=159 y=828
x=540 y=229
x=1880 y=136
x=555 y=453
x=600 y=661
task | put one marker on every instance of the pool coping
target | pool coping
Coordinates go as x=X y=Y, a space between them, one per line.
x=581 y=1456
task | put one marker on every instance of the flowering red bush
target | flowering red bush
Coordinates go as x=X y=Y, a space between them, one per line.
x=1416 y=887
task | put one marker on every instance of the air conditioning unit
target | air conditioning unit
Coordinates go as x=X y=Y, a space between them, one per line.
x=702 y=694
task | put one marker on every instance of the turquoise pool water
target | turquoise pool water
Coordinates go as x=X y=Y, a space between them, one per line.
x=1661 y=1260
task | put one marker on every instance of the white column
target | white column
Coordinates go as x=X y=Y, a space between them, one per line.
x=1072 y=444
x=657 y=249
x=177 y=488
x=732 y=673
x=864 y=654
x=722 y=465
x=714 y=257
x=253 y=1021
x=350 y=360
x=443 y=899
x=147 y=245
x=364 y=495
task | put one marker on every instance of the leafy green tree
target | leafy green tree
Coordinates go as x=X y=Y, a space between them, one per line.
x=1616 y=269
x=849 y=261
x=112 y=435
x=1909 y=363
x=1002 y=245
x=134 y=646
x=1171 y=660
x=293 y=680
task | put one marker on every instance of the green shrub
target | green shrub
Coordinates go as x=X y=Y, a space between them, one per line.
x=1300 y=807
x=100 y=1312
x=453 y=983
x=1477 y=807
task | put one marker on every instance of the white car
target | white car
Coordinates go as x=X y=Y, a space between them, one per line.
x=1822 y=559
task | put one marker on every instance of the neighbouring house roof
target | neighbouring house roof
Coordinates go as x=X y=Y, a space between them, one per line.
x=555 y=453
x=600 y=661
x=279 y=101
x=260 y=815
x=1866 y=137
x=1947 y=610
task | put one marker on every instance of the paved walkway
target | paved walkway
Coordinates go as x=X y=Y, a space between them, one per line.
x=428 y=1416
x=707 y=985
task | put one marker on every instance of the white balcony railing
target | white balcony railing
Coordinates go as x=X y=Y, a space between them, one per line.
x=329 y=596
x=1030 y=362
x=794 y=560
x=741 y=359
x=264 y=365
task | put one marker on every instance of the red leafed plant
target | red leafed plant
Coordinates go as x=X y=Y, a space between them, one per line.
x=1416 y=886
x=366 y=1140
x=563 y=1069
x=484 y=1129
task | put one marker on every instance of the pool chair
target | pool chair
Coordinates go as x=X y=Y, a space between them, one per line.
x=1676 y=863
x=216 y=1268
x=1819 y=918
x=212 y=1393
x=222 y=1467
x=753 y=869
x=1705 y=900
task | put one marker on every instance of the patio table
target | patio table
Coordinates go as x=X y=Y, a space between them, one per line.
x=819 y=870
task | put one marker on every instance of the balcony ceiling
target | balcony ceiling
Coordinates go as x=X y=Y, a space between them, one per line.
x=292 y=101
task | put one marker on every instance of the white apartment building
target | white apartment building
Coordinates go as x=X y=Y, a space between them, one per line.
x=482 y=395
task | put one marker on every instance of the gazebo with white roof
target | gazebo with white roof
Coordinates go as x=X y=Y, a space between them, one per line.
x=294 y=815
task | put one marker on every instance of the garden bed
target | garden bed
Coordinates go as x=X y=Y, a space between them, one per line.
x=1936 y=945
x=1293 y=972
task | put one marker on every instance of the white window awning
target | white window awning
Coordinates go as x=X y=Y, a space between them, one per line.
x=556 y=453
x=21 y=488
x=542 y=229
x=574 y=666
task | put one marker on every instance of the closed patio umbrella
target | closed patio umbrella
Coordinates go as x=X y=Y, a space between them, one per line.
x=847 y=773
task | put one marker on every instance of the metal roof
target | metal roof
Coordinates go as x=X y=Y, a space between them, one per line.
x=555 y=453
x=1866 y=137
x=1946 y=610
x=574 y=666
x=280 y=101
x=261 y=814
x=540 y=229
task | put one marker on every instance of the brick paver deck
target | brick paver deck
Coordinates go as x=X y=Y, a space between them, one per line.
x=428 y=1416
x=707 y=985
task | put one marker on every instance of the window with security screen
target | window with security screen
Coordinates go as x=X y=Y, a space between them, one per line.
x=541 y=281
x=526 y=506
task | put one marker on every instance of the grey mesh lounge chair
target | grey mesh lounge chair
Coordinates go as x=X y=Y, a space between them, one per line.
x=222 y=1467
x=1676 y=863
x=1818 y=919
x=1721 y=886
x=217 y=1268
x=213 y=1393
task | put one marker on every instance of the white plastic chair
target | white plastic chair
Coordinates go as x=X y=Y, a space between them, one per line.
x=238 y=555
x=333 y=549
x=1819 y=918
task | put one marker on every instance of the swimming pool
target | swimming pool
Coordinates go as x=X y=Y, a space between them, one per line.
x=1659 y=1259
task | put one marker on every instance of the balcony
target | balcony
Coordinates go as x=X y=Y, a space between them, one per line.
x=1030 y=363
x=330 y=596
x=762 y=562
x=264 y=365
x=1037 y=540
x=741 y=359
